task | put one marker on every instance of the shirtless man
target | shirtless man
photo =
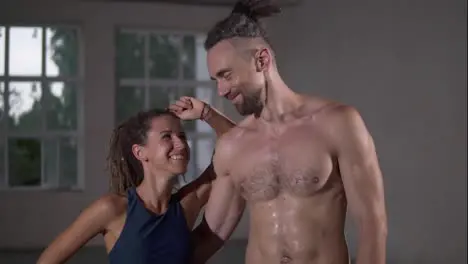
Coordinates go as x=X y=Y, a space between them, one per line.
x=298 y=162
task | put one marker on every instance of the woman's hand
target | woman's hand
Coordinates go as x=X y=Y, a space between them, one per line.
x=189 y=108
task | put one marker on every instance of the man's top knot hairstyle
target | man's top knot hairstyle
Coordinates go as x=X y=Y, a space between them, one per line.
x=243 y=22
x=255 y=9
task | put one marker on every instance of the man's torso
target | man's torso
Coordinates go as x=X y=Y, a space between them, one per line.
x=287 y=173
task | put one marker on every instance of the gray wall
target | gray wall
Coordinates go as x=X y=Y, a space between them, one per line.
x=401 y=63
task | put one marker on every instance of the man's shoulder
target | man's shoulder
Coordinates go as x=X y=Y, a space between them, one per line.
x=234 y=133
x=330 y=112
x=338 y=121
x=227 y=143
x=339 y=114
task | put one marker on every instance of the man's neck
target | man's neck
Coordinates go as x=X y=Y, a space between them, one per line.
x=278 y=99
x=155 y=190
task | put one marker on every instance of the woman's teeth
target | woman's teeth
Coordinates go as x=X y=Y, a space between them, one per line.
x=177 y=157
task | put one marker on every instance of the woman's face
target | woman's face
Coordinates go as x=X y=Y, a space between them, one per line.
x=166 y=149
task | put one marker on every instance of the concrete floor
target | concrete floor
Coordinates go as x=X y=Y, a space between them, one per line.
x=232 y=253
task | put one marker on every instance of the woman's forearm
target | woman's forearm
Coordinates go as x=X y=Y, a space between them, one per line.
x=219 y=122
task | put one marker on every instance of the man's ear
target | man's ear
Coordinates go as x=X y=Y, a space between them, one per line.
x=262 y=59
x=139 y=152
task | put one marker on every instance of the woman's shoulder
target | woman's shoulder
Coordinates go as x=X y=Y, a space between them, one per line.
x=110 y=205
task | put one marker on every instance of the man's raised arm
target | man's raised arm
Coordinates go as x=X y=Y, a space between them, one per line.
x=222 y=213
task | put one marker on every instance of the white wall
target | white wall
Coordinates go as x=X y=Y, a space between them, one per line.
x=402 y=63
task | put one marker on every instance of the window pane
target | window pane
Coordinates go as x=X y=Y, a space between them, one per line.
x=161 y=97
x=201 y=65
x=61 y=51
x=2 y=103
x=188 y=57
x=206 y=95
x=191 y=173
x=130 y=55
x=61 y=106
x=25 y=54
x=2 y=161
x=194 y=58
x=189 y=126
x=164 y=56
x=60 y=166
x=68 y=162
x=51 y=162
x=129 y=100
x=24 y=106
x=2 y=51
x=24 y=157
x=205 y=147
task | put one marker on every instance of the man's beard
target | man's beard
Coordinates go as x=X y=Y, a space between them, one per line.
x=251 y=104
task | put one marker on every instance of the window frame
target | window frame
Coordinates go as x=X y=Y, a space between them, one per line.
x=78 y=134
x=148 y=83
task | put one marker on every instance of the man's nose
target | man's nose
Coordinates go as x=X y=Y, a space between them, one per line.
x=223 y=90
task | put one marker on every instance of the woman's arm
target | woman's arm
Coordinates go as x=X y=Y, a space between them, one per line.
x=196 y=193
x=219 y=122
x=189 y=108
x=92 y=221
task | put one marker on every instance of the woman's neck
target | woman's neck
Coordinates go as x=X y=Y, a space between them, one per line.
x=155 y=193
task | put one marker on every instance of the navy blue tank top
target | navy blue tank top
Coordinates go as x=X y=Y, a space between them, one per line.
x=149 y=238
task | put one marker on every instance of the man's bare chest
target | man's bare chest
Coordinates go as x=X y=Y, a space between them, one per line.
x=297 y=161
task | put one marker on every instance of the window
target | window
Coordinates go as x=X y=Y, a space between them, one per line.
x=39 y=91
x=155 y=68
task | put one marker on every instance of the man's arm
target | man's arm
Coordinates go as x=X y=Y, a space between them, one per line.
x=222 y=213
x=220 y=124
x=363 y=184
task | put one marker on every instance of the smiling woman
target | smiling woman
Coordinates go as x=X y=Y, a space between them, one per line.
x=142 y=220
x=39 y=107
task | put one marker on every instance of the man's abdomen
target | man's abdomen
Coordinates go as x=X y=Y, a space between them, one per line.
x=297 y=231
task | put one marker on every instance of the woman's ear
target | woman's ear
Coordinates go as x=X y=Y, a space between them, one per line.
x=139 y=152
